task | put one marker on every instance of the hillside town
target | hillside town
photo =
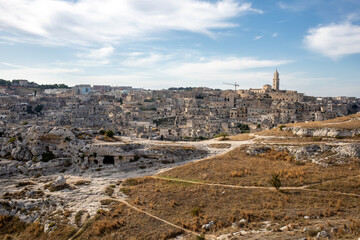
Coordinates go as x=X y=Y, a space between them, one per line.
x=172 y=114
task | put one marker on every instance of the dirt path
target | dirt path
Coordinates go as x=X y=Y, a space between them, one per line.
x=304 y=188
x=214 y=153
x=158 y=218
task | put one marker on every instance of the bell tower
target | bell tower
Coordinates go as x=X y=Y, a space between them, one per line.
x=276 y=80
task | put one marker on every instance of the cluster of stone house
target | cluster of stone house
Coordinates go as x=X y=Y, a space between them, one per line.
x=170 y=114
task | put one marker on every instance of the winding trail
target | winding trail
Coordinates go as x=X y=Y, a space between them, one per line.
x=304 y=188
x=158 y=218
x=216 y=153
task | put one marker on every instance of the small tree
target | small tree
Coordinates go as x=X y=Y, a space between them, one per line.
x=275 y=181
x=38 y=108
x=109 y=133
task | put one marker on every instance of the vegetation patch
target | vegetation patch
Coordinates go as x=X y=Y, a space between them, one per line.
x=47 y=156
x=220 y=145
x=109 y=190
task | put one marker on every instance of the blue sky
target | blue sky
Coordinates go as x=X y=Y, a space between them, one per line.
x=314 y=44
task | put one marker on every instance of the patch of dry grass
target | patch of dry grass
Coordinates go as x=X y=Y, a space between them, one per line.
x=348 y=122
x=241 y=137
x=196 y=204
x=14 y=228
x=220 y=145
x=122 y=222
x=219 y=169
x=346 y=185
x=172 y=148
x=275 y=132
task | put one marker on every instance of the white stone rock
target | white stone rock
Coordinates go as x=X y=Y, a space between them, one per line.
x=59 y=181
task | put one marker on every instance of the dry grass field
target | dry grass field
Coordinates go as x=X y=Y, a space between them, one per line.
x=192 y=205
x=239 y=168
x=347 y=122
x=241 y=137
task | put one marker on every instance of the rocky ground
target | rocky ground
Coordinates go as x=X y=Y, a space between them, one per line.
x=35 y=190
x=65 y=176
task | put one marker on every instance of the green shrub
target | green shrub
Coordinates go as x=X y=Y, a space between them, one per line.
x=131 y=182
x=12 y=140
x=339 y=137
x=200 y=237
x=243 y=127
x=312 y=233
x=125 y=190
x=195 y=211
x=275 y=181
x=109 y=133
x=102 y=131
x=317 y=139
x=281 y=127
x=47 y=156
x=109 y=190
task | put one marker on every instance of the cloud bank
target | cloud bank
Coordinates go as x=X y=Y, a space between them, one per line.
x=334 y=40
x=89 y=22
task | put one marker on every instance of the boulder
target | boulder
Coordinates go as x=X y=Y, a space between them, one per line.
x=254 y=150
x=208 y=225
x=60 y=181
x=349 y=150
x=323 y=234
x=62 y=132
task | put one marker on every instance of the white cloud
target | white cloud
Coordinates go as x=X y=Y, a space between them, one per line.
x=334 y=40
x=275 y=34
x=136 y=61
x=89 y=22
x=101 y=53
x=258 y=37
x=295 y=6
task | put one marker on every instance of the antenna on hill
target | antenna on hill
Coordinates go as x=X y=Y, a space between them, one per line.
x=233 y=84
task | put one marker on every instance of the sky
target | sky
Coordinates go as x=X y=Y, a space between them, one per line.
x=157 y=44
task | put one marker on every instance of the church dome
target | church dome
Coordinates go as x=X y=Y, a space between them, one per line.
x=267 y=87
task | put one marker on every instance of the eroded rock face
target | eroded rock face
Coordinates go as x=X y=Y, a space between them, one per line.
x=21 y=152
x=46 y=150
x=322 y=132
x=256 y=150
x=322 y=154
x=62 y=133
x=349 y=150
x=8 y=167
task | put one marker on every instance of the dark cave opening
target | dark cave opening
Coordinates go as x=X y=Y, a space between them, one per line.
x=109 y=160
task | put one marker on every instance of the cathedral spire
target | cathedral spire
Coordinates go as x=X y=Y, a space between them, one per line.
x=276 y=80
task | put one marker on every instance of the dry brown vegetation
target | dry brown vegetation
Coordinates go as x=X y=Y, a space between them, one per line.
x=108 y=139
x=172 y=148
x=122 y=222
x=347 y=122
x=241 y=137
x=219 y=170
x=220 y=145
x=14 y=228
x=192 y=205
x=275 y=132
